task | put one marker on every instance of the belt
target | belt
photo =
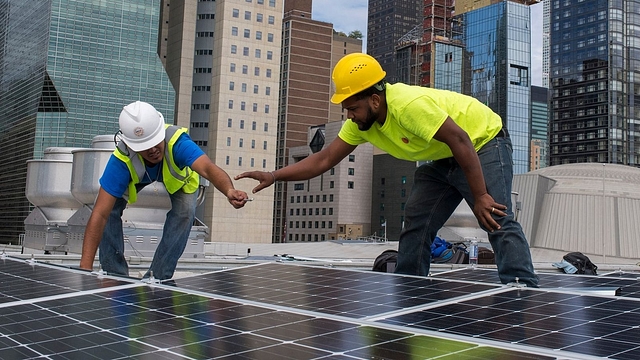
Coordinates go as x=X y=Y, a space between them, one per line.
x=503 y=133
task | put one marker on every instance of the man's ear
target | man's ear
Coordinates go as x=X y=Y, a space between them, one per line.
x=375 y=101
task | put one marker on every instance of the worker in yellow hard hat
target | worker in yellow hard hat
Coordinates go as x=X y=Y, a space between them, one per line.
x=469 y=153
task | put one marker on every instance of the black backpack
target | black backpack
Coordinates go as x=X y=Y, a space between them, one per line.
x=386 y=262
x=581 y=262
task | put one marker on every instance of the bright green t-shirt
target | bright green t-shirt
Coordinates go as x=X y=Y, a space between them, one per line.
x=414 y=115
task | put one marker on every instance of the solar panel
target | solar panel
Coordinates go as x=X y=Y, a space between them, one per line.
x=628 y=286
x=155 y=321
x=289 y=311
x=353 y=294
x=22 y=281
x=588 y=325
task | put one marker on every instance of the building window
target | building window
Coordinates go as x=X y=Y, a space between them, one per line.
x=271 y=20
x=266 y=127
x=403 y=180
x=234 y=49
x=266 y=109
x=230 y=104
x=245 y=69
x=229 y=122
x=352 y=158
x=267 y=90
x=245 y=51
x=258 y=35
x=256 y=89
x=331 y=185
x=236 y=13
x=247 y=15
x=247 y=33
x=232 y=85
x=268 y=73
x=299 y=186
x=254 y=125
x=232 y=67
x=241 y=142
x=226 y=161
x=352 y=171
x=228 y=141
x=270 y=37
x=241 y=124
x=240 y=161
x=258 y=53
x=269 y=55
x=350 y=185
x=259 y=17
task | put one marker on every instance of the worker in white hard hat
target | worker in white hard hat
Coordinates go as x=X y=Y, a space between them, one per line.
x=467 y=153
x=150 y=151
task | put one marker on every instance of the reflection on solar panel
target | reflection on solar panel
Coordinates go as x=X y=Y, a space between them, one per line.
x=353 y=294
x=629 y=285
x=278 y=311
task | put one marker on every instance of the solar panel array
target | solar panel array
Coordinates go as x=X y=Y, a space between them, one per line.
x=291 y=311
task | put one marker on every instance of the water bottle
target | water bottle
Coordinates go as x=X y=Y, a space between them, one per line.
x=473 y=253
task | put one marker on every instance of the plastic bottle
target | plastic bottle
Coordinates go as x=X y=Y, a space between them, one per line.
x=473 y=253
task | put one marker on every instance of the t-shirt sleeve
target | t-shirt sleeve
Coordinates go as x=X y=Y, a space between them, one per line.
x=349 y=133
x=115 y=177
x=185 y=151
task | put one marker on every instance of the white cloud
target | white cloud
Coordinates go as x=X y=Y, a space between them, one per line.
x=350 y=15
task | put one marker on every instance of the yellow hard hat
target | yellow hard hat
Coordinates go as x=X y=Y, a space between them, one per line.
x=354 y=73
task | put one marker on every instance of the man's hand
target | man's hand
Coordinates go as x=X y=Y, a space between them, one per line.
x=265 y=178
x=485 y=209
x=237 y=198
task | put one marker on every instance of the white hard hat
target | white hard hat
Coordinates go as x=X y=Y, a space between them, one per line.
x=142 y=126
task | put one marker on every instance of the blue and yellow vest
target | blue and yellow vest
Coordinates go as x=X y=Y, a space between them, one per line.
x=173 y=177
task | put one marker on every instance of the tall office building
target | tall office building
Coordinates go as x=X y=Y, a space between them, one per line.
x=594 y=72
x=497 y=40
x=223 y=58
x=388 y=21
x=309 y=51
x=539 y=127
x=67 y=69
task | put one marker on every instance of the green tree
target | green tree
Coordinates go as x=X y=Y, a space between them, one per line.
x=355 y=34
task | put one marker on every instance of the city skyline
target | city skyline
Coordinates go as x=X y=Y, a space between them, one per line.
x=352 y=15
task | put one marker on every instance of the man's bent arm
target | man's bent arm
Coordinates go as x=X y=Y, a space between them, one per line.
x=220 y=180
x=467 y=157
x=95 y=228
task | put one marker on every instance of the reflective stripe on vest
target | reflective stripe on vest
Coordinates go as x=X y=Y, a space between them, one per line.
x=173 y=177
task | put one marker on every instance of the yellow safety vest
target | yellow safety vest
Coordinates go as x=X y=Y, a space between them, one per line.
x=173 y=177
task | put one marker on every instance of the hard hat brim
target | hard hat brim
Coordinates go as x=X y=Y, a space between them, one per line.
x=147 y=144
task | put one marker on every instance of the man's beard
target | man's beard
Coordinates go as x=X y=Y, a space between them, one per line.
x=371 y=119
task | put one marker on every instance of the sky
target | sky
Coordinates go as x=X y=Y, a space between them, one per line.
x=350 y=15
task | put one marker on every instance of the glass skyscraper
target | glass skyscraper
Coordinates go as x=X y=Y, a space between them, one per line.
x=67 y=67
x=497 y=43
x=594 y=72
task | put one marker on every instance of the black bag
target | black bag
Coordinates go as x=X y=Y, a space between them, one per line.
x=386 y=262
x=581 y=262
x=460 y=254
